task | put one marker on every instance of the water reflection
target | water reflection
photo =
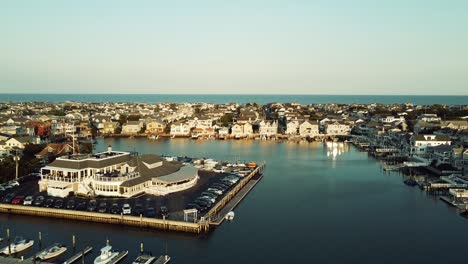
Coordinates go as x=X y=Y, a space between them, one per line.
x=335 y=149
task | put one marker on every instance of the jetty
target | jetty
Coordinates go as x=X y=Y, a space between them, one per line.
x=78 y=255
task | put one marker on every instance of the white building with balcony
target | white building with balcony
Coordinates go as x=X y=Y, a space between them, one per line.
x=116 y=174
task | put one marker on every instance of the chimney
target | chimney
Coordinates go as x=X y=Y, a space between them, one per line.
x=109 y=149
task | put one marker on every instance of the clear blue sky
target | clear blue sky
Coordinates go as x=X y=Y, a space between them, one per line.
x=241 y=46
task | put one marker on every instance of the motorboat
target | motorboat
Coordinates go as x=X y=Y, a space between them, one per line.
x=51 y=252
x=163 y=259
x=18 y=245
x=144 y=258
x=229 y=216
x=109 y=256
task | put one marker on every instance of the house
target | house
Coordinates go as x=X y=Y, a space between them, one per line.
x=19 y=142
x=308 y=129
x=110 y=127
x=131 y=127
x=53 y=150
x=421 y=142
x=155 y=127
x=237 y=130
x=292 y=127
x=180 y=129
x=248 y=129
x=337 y=128
x=454 y=124
x=429 y=118
x=268 y=128
x=223 y=132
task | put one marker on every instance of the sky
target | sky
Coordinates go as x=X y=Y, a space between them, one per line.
x=234 y=47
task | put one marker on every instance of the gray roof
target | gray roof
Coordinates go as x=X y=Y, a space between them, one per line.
x=166 y=169
x=89 y=163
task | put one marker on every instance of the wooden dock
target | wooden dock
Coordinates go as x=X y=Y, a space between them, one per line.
x=11 y=260
x=219 y=218
x=78 y=255
x=233 y=197
x=119 y=257
x=162 y=224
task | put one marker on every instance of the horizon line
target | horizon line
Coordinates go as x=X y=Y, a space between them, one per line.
x=272 y=94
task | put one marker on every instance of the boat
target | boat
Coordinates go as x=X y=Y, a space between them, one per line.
x=230 y=216
x=410 y=182
x=164 y=259
x=18 y=245
x=144 y=258
x=109 y=256
x=51 y=252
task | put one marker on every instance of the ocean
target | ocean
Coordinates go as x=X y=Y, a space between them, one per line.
x=239 y=98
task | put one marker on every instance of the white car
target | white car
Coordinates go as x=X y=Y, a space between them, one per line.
x=14 y=183
x=28 y=200
x=126 y=209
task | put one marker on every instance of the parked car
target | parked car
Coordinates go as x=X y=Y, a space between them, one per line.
x=58 y=203
x=150 y=212
x=91 y=206
x=17 y=200
x=9 y=197
x=70 y=204
x=126 y=209
x=115 y=209
x=209 y=194
x=102 y=207
x=81 y=206
x=14 y=183
x=39 y=201
x=215 y=190
x=49 y=202
x=28 y=200
x=138 y=209
x=164 y=211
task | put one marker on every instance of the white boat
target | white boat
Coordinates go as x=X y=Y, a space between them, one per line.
x=51 y=252
x=145 y=258
x=108 y=256
x=163 y=259
x=18 y=245
x=229 y=216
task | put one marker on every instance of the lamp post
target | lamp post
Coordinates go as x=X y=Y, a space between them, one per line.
x=17 y=158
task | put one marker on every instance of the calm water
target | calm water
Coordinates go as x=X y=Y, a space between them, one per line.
x=262 y=99
x=316 y=204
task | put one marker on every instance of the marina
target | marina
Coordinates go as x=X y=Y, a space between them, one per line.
x=78 y=256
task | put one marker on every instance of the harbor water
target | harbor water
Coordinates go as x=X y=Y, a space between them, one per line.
x=317 y=203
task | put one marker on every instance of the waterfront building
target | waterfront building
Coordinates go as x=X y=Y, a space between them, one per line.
x=268 y=128
x=337 y=128
x=109 y=127
x=180 y=129
x=131 y=127
x=420 y=143
x=292 y=127
x=155 y=127
x=308 y=129
x=116 y=174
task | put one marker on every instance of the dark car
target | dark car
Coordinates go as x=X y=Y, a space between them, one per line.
x=70 y=204
x=150 y=212
x=8 y=198
x=92 y=206
x=49 y=202
x=115 y=209
x=209 y=194
x=202 y=205
x=138 y=209
x=58 y=203
x=81 y=206
x=39 y=201
x=102 y=207
x=164 y=211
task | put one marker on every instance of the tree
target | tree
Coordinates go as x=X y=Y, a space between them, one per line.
x=226 y=119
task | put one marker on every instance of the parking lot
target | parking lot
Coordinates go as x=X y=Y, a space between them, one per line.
x=211 y=187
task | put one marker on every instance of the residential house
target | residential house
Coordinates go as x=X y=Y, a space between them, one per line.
x=155 y=127
x=110 y=127
x=268 y=128
x=292 y=127
x=180 y=129
x=337 y=128
x=421 y=142
x=131 y=127
x=308 y=129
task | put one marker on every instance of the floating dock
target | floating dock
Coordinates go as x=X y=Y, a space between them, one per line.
x=119 y=257
x=78 y=255
x=11 y=260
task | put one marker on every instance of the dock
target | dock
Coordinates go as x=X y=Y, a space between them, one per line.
x=216 y=213
x=119 y=257
x=162 y=259
x=219 y=218
x=78 y=255
x=11 y=260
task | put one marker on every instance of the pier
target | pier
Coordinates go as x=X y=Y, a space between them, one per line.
x=11 y=260
x=78 y=255
x=229 y=200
